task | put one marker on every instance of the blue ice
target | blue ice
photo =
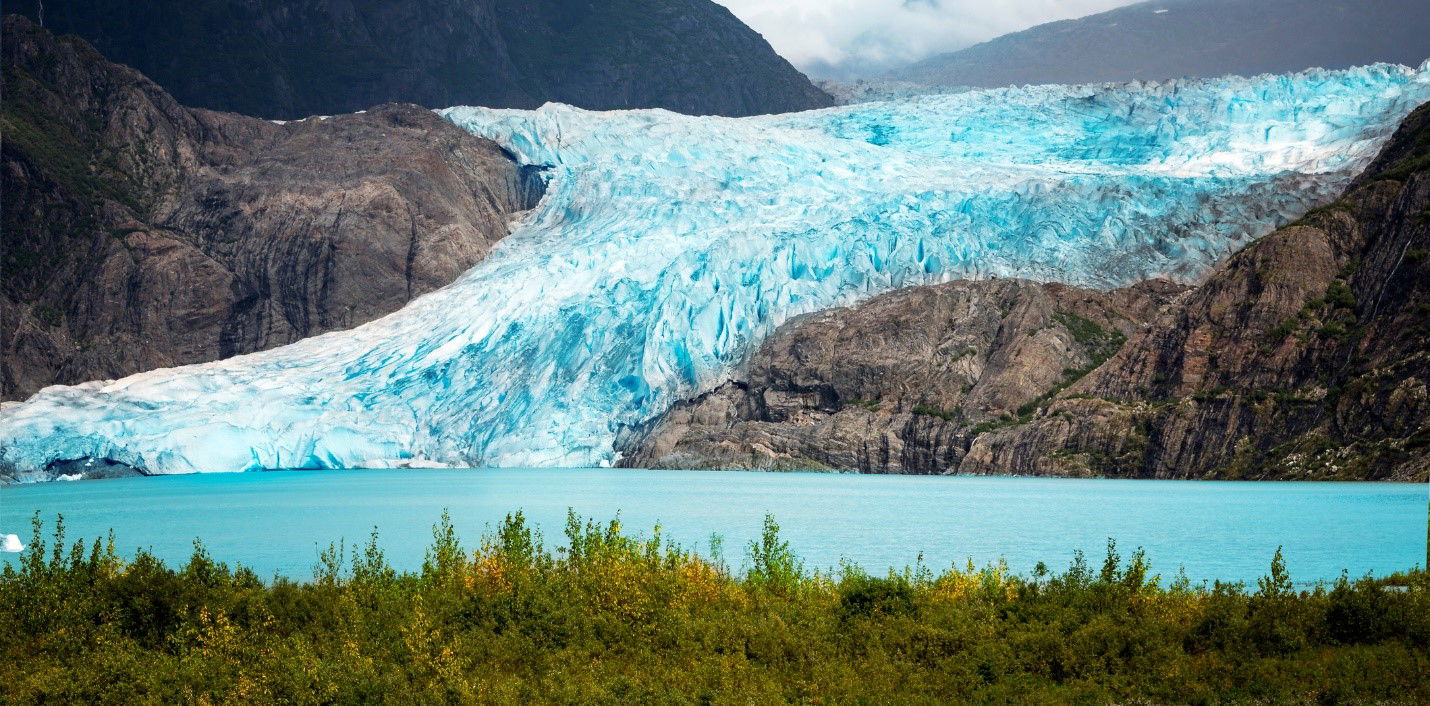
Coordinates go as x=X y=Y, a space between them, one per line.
x=668 y=246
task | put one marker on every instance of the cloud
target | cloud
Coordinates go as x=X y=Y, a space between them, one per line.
x=12 y=543
x=833 y=37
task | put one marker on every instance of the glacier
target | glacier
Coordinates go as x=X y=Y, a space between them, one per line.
x=668 y=246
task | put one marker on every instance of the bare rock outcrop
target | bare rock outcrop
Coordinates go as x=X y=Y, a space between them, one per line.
x=901 y=383
x=1306 y=355
x=141 y=234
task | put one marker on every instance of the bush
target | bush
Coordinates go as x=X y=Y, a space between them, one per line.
x=927 y=411
x=1339 y=294
x=611 y=617
x=862 y=595
x=1358 y=613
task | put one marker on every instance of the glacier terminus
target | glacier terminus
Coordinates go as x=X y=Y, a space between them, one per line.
x=668 y=246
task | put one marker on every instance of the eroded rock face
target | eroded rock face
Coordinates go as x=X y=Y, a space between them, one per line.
x=1304 y=356
x=140 y=234
x=901 y=383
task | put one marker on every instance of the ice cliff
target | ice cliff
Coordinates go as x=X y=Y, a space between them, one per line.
x=668 y=246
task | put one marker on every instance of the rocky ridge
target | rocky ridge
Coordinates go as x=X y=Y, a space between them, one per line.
x=1167 y=39
x=139 y=233
x=1304 y=356
x=294 y=58
x=901 y=383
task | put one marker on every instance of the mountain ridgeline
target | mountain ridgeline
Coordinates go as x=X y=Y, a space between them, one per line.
x=291 y=59
x=141 y=234
x=1304 y=356
x=1177 y=38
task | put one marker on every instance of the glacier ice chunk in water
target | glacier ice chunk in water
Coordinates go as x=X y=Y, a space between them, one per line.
x=668 y=246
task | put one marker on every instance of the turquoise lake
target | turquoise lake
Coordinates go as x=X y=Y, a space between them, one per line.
x=276 y=522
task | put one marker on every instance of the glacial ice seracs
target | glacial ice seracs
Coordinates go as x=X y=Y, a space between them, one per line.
x=668 y=246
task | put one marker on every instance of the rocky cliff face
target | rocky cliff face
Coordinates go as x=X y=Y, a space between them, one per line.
x=139 y=233
x=1304 y=356
x=901 y=383
x=290 y=59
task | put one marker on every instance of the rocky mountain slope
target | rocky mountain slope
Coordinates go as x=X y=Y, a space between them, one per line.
x=1175 y=38
x=893 y=385
x=1304 y=356
x=140 y=234
x=284 y=59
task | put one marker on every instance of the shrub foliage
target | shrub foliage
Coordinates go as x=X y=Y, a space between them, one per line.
x=610 y=617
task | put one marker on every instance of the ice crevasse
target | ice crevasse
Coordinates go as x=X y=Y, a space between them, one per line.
x=668 y=246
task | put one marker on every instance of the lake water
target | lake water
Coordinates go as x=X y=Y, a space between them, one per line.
x=275 y=522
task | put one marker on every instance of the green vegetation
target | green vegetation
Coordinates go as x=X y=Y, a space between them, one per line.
x=71 y=154
x=871 y=405
x=611 y=618
x=1100 y=345
x=1280 y=331
x=927 y=411
x=994 y=425
x=1084 y=331
x=48 y=315
x=1341 y=205
x=1338 y=294
x=1417 y=159
x=1333 y=330
x=1212 y=394
x=1335 y=313
x=336 y=61
x=70 y=175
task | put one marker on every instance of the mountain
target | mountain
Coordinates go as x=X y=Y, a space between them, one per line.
x=894 y=385
x=1304 y=356
x=140 y=234
x=668 y=247
x=1179 y=38
x=295 y=58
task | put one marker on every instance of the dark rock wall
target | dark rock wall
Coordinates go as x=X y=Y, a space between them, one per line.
x=898 y=384
x=139 y=233
x=295 y=58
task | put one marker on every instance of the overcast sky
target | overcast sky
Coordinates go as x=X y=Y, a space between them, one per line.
x=825 y=36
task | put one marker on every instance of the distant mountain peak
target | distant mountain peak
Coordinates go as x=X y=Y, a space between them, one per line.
x=1202 y=38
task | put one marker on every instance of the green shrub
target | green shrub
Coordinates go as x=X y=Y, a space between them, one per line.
x=1358 y=613
x=862 y=595
x=1283 y=329
x=773 y=565
x=927 y=411
x=48 y=315
x=1339 y=294
x=613 y=618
